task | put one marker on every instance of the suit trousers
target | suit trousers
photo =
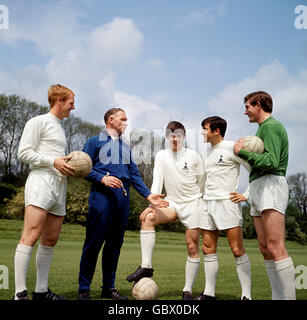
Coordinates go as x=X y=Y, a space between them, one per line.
x=106 y=224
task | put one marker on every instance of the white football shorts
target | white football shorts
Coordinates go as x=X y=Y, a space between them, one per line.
x=46 y=190
x=188 y=213
x=268 y=192
x=220 y=215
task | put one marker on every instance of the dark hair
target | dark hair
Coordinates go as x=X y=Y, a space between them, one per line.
x=110 y=113
x=216 y=123
x=265 y=100
x=174 y=125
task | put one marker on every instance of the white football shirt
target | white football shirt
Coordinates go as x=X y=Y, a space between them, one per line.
x=181 y=172
x=222 y=170
x=42 y=141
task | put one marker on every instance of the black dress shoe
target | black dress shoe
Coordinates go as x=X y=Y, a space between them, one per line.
x=46 y=296
x=112 y=294
x=140 y=273
x=205 y=297
x=186 y=295
x=84 y=295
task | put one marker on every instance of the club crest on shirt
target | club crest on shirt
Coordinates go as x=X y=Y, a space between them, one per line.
x=220 y=159
x=185 y=166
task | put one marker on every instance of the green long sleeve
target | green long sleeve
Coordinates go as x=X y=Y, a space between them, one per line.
x=274 y=160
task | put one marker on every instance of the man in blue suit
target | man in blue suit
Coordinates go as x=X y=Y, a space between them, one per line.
x=114 y=170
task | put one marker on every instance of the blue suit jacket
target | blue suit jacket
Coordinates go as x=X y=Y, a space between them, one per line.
x=113 y=158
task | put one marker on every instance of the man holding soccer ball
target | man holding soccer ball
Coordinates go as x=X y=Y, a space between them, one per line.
x=269 y=193
x=42 y=145
x=221 y=209
x=180 y=170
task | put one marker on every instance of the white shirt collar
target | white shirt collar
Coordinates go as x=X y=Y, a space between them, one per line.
x=51 y=116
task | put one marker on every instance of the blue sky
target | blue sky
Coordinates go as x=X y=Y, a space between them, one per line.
x=162 y=60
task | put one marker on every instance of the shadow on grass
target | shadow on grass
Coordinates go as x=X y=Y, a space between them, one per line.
x=94 y=294
x=162 y=295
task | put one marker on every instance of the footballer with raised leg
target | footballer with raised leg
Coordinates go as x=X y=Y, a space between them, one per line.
x=180 y=170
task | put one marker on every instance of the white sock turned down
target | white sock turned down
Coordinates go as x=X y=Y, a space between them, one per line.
x=43 y=261
x=191 y=270
x=273 y=278
x=148 y=240
x=286 y=275
x=211 y=269
x=244 y=275
x=21 y=263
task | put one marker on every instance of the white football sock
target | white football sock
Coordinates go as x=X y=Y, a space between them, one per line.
x=22 y=260
x=244 y=275
x=286 y=275
x=273 y=278
x=43 y=261
x=148 y=240
x=211 y=268
x=191 y=270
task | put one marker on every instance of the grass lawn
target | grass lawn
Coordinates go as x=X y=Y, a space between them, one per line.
x=168 y=261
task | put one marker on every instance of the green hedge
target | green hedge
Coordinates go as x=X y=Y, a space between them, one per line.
x=77 y=207
x=7 y=190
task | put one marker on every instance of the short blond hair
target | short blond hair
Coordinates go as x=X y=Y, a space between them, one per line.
x=58 y=91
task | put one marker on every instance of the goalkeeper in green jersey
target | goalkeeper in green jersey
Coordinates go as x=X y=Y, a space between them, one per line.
x=269 y=193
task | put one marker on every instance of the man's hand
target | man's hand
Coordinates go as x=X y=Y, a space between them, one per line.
x=61 y=165
x=157 y=201
x=237 y=197
x=145 y=213
x=112 y=182
x=238 y=146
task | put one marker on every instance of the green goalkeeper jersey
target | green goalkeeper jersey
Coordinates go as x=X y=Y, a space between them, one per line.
x=274 y=160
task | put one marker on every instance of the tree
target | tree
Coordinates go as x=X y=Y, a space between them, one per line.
x=298 y=199
x=295 y=224
x=298 y=191
x=144 y=146
x=14 y=113
x=248 y=228
x=78 y=131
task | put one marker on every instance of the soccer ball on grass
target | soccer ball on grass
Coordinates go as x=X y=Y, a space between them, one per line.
x=145 y=289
